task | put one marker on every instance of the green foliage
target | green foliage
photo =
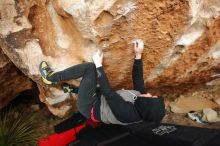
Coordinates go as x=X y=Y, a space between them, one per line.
x=18 y=131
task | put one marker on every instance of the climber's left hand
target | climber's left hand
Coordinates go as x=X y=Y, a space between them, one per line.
x=98 y=58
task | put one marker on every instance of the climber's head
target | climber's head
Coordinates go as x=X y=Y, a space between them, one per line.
x=150 y=109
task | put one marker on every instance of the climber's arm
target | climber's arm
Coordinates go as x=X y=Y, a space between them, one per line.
x=137 y=71
x=123 y=111
x=103 y=80
x=137 y=76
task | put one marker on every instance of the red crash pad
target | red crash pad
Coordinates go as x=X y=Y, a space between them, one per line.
x=61 y=139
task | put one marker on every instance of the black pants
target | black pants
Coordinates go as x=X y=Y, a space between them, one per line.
x=87 y=90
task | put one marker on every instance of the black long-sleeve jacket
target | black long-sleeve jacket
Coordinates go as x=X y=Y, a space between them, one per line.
x=124 y=111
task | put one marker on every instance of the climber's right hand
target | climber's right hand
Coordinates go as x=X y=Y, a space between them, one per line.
x=138 y=48
x=97 y=58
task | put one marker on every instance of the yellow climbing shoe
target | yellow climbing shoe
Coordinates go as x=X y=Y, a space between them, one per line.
x=46 y=71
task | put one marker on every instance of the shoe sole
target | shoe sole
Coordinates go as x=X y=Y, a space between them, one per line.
x=43 y=76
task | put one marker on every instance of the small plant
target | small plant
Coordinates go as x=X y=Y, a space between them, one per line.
x=17 y=130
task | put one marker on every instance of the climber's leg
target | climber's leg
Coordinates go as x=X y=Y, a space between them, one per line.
x=87 y=90
x=87 y=95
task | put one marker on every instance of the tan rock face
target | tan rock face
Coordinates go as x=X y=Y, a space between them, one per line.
x=12 y=81
x=182 y=47
x=194 y=103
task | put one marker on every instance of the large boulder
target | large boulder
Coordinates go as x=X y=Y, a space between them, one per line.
x=12 y=81
x=182 y=41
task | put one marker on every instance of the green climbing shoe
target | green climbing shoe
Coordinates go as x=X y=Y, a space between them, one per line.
x=46 y=71
x=67 y=88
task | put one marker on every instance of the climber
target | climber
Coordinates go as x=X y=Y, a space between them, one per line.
x=121 y=107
